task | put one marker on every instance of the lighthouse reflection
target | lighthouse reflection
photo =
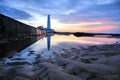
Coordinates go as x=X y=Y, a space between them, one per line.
x=49 y=40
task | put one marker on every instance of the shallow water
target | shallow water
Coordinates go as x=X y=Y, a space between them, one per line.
x=53 y=42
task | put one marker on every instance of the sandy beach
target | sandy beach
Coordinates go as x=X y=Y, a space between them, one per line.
x=99 y=62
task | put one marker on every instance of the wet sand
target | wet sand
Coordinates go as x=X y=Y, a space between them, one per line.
x=99 y=62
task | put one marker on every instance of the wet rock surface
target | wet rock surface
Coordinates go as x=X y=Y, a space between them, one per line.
x=100 y=62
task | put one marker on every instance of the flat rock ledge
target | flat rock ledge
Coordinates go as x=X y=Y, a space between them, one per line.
x=100 y=62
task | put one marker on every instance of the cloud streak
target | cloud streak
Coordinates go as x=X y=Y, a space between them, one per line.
x=14 y=13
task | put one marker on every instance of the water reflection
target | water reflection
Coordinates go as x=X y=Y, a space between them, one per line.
x=70 y=40
x=49 y=40
x=44 y=45
x=13 y=46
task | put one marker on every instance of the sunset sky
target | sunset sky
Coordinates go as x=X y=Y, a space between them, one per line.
x=66 y=15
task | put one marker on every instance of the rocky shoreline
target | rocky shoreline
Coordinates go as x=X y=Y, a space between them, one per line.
x=99 y=62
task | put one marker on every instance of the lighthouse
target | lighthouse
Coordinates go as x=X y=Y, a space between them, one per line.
x=48 y=23
x=48 y=29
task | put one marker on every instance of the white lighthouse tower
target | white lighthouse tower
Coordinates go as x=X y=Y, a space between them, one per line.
x=48 y=29
x=48 y=23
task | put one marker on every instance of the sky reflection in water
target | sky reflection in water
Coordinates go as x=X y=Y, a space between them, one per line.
x=55 y=42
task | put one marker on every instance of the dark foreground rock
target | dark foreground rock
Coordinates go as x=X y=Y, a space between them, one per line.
x=100 y=62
